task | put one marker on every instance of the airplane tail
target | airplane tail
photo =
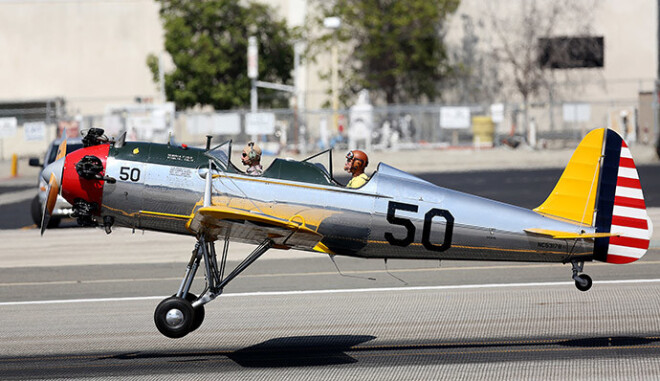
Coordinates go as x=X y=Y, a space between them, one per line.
x=600 y=187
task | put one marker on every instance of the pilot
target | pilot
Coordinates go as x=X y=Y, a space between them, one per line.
x=356 y=162
x=252 y=158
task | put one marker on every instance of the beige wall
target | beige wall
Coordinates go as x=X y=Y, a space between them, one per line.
x=93 y=52
x=89 y=52
x=629 y=31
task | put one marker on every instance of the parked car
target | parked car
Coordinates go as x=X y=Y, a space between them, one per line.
x=62 y=208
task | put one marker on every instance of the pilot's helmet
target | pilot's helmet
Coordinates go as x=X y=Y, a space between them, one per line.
x=251 y=152
x=359 y=159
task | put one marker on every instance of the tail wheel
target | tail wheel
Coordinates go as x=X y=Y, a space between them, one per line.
x=174 y=317
x=584 y=282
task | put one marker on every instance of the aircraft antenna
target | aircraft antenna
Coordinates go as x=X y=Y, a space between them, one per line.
x=332 y=258
x=392 y=275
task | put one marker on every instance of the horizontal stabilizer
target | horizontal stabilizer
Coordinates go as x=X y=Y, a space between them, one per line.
x=556 y=234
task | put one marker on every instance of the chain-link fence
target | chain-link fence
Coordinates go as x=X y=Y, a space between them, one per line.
x=433 y=126
x=395 y=127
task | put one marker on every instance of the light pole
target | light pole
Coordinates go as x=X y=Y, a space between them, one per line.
x=253 y=74
x=253 y=70
x=161 y=77
x=334 y=23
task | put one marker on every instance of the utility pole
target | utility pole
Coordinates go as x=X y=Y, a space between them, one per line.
x=334 y=23
x=253 y=70
x=253 y=74
x=161 y=77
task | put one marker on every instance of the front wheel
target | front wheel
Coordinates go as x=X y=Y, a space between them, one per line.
x=199 y=312
x=584 y=282
x=174 y=317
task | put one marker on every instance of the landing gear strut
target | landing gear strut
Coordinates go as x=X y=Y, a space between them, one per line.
x=183 y=313
x=583 y=282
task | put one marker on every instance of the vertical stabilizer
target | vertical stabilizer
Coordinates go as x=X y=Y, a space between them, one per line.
x=620 y=208
x=600 y=187
x=574 y=196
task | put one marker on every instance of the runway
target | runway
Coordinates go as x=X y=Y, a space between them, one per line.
x=77 y=303
x=292 y=317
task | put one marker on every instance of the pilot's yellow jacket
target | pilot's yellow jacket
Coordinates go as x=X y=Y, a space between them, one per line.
x=358 y=181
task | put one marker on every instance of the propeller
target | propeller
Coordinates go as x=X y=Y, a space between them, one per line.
x=53 y=174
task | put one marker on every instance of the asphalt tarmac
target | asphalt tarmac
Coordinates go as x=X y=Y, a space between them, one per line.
x=299 y=319
x=79 y=304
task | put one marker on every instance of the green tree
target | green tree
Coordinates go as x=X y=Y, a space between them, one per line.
x=393 y=48
x=208 y=40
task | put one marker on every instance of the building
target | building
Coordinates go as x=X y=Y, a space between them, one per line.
x=93 y=53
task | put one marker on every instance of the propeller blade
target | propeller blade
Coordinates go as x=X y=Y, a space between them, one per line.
x=61 y=150
x=53 y=174
x=51 y=199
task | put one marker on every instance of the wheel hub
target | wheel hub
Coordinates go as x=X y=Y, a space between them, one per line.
x=174 y=317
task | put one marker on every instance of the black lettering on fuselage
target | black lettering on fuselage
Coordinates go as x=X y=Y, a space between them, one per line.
x=393 y=206
x=549 y=245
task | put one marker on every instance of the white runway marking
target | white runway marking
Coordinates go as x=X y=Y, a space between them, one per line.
x=344 y=291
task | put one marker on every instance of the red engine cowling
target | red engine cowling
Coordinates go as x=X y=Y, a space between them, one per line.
x=79 y=183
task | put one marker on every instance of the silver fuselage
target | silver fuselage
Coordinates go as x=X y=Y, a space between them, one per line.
x=395 y=215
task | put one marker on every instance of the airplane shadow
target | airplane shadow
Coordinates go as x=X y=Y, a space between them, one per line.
x=324 y=350
x=282 y=352
x=615 y=341
x=299 y=351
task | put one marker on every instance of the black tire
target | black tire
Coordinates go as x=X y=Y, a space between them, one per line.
x=199 y=312
x=177 y=308
x=586 y=279
x=36 y=210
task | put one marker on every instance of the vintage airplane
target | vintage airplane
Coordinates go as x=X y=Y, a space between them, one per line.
x=595 y=212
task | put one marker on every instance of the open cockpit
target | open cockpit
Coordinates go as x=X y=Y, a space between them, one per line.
x=315 y=169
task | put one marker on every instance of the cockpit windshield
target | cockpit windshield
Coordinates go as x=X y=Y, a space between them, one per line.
x=221 y=154
x=322 y=160
x=315 y=169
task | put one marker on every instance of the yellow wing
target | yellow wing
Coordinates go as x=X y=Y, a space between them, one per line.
x=253 y=226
